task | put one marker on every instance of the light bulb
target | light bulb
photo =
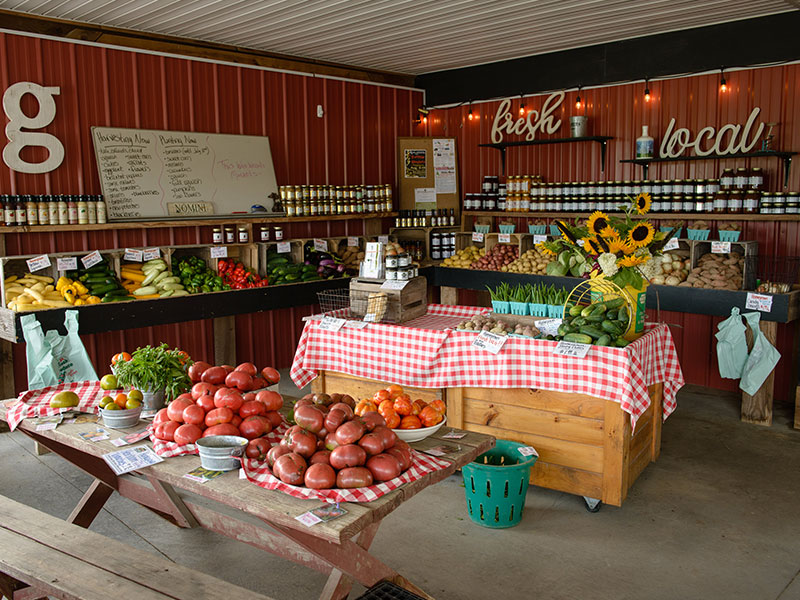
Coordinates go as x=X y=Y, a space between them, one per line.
x=522 y=109
x=647 y=94
x=425 y=119
x=578 y=101
x=470 y=115
x=723 y=86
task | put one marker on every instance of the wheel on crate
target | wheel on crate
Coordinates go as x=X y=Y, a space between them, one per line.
x=599 y=289
x=592 y=504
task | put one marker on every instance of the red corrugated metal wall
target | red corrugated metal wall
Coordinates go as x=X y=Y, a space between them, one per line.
x=353 y=143
x=620 y=111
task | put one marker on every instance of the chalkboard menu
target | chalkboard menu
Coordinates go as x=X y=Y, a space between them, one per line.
x=151 y=174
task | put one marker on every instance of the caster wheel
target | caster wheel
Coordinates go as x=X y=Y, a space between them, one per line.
x=592 y=504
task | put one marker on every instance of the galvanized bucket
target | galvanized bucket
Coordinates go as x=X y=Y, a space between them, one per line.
x=121 y=419
x=153 y=401
x=219 y=452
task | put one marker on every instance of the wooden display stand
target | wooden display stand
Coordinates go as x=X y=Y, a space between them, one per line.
x=402 y=305
x=585 y=444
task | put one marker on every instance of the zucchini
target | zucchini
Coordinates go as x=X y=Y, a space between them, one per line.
x=604 y=340
x=118 y=292
x=102 y=290
x=145 y=291
x=170 y=286
x=176 y=293
x=150 y=277
x=167 y=293
x=108 y=298
x=160 y=282
x=99 y=267
x=162 y=275
x=99 y=281
x=592 y=331
x=579 y=338
x=155 y=261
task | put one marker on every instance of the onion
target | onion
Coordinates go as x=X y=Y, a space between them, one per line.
x=666 y=267
x=672 y=280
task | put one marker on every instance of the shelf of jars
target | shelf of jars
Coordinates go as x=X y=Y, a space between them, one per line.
x=653 y=215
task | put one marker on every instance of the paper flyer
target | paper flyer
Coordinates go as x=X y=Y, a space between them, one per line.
x=131 y=459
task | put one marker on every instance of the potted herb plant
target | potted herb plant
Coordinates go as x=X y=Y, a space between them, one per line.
x=158 y=372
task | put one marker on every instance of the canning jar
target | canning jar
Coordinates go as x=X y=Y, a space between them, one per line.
x=244 y=235
x=676 y=203
x=726 y=180
x=741 y=178
x=230 y=235
x=216 y=235
x=735 y=201
x=750 y=201
x=721 y=202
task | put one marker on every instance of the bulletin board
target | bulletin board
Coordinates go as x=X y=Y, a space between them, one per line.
x=428 y=173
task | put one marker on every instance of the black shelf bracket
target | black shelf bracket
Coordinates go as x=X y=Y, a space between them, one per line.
x=785 y=156
x=600 y=139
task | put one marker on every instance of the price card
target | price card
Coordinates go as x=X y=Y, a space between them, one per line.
x=219 y=251
x=477 y=236
x=672 y=244
x=538 y=239
x=548 y=326
x=504 y=238
x=151 y=253
x=355 y=325
x=454 y=435
x=133 y=255
x=91 y=259
x=38 y=263
x=572 y=349
x=320 y=245
x=330 y=324
x=762 y=302
x=720 y=247
x=392 y=284
x=284 y=247
x=67 y=263
x=352 y=242
x=383 y=239
x=528 y=451
x=491 y=342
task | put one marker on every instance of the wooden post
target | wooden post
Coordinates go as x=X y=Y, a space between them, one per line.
x=757 y=409
x=454 y=399
x=616 y=447
x=449 y=295
x=225 y=340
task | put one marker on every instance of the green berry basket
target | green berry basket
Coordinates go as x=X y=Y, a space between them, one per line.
x=698 y=234
x=729 y=236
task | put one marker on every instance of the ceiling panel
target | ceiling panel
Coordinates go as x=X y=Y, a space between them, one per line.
x=405 y=36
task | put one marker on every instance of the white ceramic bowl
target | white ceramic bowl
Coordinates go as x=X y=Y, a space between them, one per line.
x=417 y=435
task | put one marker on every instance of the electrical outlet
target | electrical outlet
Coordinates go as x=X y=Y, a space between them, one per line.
x=320 y=112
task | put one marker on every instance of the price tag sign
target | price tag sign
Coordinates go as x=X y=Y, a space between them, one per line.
x=672 y=244
x=67 y=263
x=308 y=519
x=355 y=324
x=151 y=253
x=477 y=236
x=330 y=324
x=528 y=451
x=284 y=247
x=548 y=326
x=219 y=251
x=538 y=239
x=91 y=259
x=352 y=242
x=133 y=255
x=491 y=342
x=720 y=247
x=572 y=349
x=320 y=245
x=504 y=238
x=454 y=435
x=38 y=263
x=392 y=284
x=383 y=239
x=762 y=302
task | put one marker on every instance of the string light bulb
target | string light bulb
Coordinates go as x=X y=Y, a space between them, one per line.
x=470 y=116
x=578 y=99
x=425 y=119
x=522 y=109
x=723 y=85
x=646 y=91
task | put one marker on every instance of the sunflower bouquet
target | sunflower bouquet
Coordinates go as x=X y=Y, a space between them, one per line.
x=615 y=247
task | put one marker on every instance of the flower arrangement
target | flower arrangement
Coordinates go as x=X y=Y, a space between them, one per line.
x=618 y=248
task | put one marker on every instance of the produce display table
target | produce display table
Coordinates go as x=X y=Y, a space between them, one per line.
x=596 y=421
x=241 y=510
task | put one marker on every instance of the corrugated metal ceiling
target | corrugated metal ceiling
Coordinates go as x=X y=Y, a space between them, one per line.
x=404 y=36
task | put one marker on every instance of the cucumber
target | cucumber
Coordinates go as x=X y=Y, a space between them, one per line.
x=102 y=290
x=592 y=331
x=615 y=303
x=621 y=342
x=595 y=318
x=603 y=340
x=580 y=338
x=575 y=311
x=118 y=292
x=565 y=329
x=612 y=314
x=587 y=310
x=579 y=322
x=145 y=291
x=610 y=327
x=622 y=315
x=599 y=309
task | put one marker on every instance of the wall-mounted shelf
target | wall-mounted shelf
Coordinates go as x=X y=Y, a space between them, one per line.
x=599 y=139
x=786 y=156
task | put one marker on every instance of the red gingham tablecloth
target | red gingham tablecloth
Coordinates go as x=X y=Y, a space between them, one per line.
x=259 y=473
x=432 y=356
x=36 y=403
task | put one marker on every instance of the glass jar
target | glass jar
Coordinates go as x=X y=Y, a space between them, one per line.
x=699 y=203
x=403 y=260
x=700 y=187
x=244 y=235
x=726 y=180
x=756 y=180
x=688 y=203
x=391 y=262
x=793 y=203
x=779 y=202
x=676 y=203
x=405 y=273
x=688 y=186
x=216 y=235
x=741 y=178
x=750 y=201
x=391 y=274
x=655 y=203
x=735 y=201
x=278 y=233
x=721 y=202
x=712 y=186
x=264 y=233
x=230 y=235
x=708 y=203
x=658 y=187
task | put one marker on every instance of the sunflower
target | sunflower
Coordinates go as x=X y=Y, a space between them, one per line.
x=566 y=233
x=642 y=203
x=545 y=249
x=641 y=235
x=615 y=244
x=591 y=246
x=632 y=261
x=609 y=232
x=598 y=222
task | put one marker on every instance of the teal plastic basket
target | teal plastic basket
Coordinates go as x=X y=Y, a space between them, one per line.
x=698 y=234
x=668 y=229
x=507 y=228
x=519 y=308
x=729 y=236
x=501 y=307
x=554 y=230
x=555 y=311
x=482 y=228
x=537 y=310
x=537 y=229
x=496 y=484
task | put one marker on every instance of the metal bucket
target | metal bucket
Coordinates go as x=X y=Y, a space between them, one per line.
x=121 y=419
x=219 y=452
x=578 y=126
x=153 y=401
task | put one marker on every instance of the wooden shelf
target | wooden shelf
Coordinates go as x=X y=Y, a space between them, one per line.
x=600 y=139
x=653 y=216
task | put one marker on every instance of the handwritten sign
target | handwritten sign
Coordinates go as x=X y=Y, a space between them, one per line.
x=504 y=238
x=151 y=253
x=355 y=325
x=477 y=236
x=352 y=242
x=528 y=451
x=720 y=247
x=91 y=259
x=67 y=263
x=308 y=519
x=762 y=302
x=284 y=247
x=38 y=263
x=572 y=349
x=672 y=244
x=383 y=239
x=491 y=342
x=330 y=324
x=538 y=239
x=187 y=209
x=548 y=326
x=320 y=245
x=219 y=251
x=392 y=284
x=133 y=255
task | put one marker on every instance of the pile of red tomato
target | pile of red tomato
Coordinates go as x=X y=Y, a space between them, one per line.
x=332 y=447
x=396 y=407
x=222 y=402
x=239 y=277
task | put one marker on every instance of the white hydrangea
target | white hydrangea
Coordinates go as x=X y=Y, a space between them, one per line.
x=651 y=268
x=608 y=262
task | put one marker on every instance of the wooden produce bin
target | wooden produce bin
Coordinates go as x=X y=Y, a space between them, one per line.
x=247 y=254
x=402 y=305
x=585 y=444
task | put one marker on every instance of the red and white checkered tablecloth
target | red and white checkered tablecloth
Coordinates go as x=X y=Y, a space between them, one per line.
x=259 y=473
x=36 y=403
x=435 y=358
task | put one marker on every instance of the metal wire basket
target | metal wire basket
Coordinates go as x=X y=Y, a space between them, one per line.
x=354 y=304
x=775 y=274
x=334 y=301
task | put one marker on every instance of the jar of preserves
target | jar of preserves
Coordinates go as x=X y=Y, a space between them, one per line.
x=779 y=201
x=708 y=203
x=391 y=274
x=699 y=203
x=756 y=180
x=750 y=201
x=689 y=203
x=721 y=202
x=655 y=203
x=230 y=235
x=216 y=235
x=658 y=187
x=244 y=235
x=264 y=233
x=688 y=186
x=278 y=233
x=726 y=180
x=741 y=178
x=735 y=201
x=793 y=203
x=712 y=186
x=676 y=203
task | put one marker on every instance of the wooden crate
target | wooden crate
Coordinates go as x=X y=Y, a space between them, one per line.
x=464 y=240
x=523 y=241
x=331 y=382
x=247 y=254
x=339 y=244
x=403 y=305
x=749 y=250
x=295 y=254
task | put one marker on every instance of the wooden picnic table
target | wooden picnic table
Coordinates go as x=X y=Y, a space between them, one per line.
x=242 y=510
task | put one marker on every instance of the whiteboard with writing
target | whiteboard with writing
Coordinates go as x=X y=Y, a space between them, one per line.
x=151 y=174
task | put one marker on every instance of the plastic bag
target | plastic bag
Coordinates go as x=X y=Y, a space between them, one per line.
x=53 y=358
x=731 y=346
x=762 y=360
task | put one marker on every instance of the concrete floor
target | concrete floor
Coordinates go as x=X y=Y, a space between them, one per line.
x=718 y=516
